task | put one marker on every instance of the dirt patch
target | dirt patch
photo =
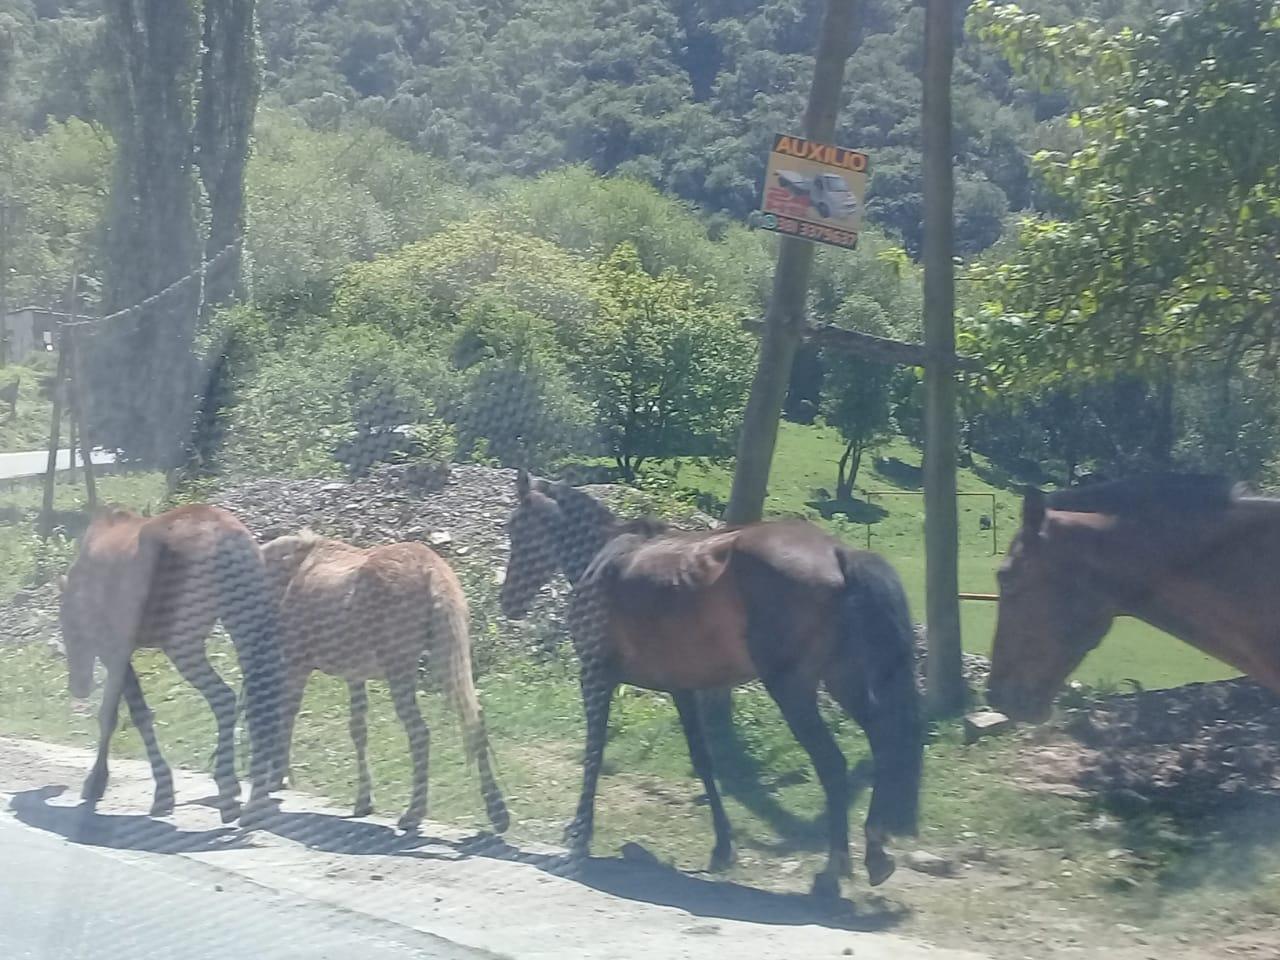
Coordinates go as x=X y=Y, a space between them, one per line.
x=1187 y=751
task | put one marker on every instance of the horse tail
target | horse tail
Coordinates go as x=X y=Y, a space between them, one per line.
x=879 y=643
x=248 y=611
x=450 y=646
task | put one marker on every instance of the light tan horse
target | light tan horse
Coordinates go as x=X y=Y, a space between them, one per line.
x=364 y=613
x=165 y=582
x=1192 y=555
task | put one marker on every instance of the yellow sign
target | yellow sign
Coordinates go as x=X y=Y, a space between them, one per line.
x=814 y=191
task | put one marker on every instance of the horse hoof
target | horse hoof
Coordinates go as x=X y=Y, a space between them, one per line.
x=499 y=817
x=229 y=811
x=362 y=808
x=162 y=804
x=95 y=785
x=826 y=886
x=880 y=869
x=410 y=822
x=722 y=858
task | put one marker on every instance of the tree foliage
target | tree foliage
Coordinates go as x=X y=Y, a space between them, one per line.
x=1168 y=250
x=666 y=367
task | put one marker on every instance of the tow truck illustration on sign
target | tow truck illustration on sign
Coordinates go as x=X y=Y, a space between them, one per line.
x=814 y=191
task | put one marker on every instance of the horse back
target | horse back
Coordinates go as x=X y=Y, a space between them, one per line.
x=153 y=580
x=681 y=608
x=362 y=612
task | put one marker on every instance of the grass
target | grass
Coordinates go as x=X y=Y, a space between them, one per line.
x=25 y=559
x=29 y=430
x=805 y=464
x=1056 y=856
x=1053 y=858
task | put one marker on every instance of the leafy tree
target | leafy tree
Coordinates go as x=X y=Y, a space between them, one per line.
x=326 y=388
x=1168 y=249
x=666 y=368
x=53 y=188
x=319 y=201
x=519 y=405
x=857 y=405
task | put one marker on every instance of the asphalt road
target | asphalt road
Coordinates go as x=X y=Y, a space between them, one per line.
x=33 y=462
x=63 y=901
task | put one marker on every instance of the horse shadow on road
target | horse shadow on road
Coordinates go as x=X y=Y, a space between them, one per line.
x=83 y=824
x=638 y=877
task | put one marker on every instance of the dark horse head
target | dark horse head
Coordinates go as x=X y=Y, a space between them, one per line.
x=553 y=529
x=1082 y=557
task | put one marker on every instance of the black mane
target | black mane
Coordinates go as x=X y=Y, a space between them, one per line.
x=1150 y=493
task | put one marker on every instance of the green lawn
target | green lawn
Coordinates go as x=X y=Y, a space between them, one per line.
x=24 y=557
x=29 y=430
x=805 y=463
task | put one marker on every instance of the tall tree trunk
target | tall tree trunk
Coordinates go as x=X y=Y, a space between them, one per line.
x=784 y=319
x=847 y=470
x=142 y=375
x=230 y=82
x=946 y=691
x=229 y=88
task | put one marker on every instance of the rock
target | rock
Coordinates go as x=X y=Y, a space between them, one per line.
x=441 y=538
x=984 y=723
x=922 y=861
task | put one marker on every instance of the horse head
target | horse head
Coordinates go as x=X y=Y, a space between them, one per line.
x=534 y=528
x=1052 y=612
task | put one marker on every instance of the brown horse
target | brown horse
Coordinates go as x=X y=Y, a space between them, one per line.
x=780 y=601
x=1189 y=554
x=165 y=582
x=359 y=614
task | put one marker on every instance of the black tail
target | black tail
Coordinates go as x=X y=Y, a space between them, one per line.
x=249 y=613
x=880 y=644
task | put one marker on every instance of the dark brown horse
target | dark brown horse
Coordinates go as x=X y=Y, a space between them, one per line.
x=1192 y=555
x=165 y=582
x=360 y=614
x=780 y=601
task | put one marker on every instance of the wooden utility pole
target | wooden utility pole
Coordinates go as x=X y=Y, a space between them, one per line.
x=55 y=430
x=784 y=320
x=945 y=681
x=75 y=400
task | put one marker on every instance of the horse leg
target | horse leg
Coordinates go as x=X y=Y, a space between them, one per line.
x=360 y=737
x=852 y=697
x=797 y=697
x=295 y=685
x=597 y=697
x=143 y=719
x=95 y=785
x=695 y=735
x=405 y=698
x=196 y=670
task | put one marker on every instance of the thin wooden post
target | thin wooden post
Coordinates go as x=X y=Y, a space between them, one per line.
x=76 y=398
x=71 y=437
x=55 y=430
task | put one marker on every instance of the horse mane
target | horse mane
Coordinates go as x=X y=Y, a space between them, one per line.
x=1151 y=493
x=580 y=505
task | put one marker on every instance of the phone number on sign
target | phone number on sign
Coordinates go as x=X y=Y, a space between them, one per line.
x=810 y=231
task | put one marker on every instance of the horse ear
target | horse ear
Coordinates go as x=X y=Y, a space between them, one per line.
x=1032 y=509
x=522 y=484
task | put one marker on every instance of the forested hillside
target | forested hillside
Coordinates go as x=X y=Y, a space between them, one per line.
x=681 y=93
